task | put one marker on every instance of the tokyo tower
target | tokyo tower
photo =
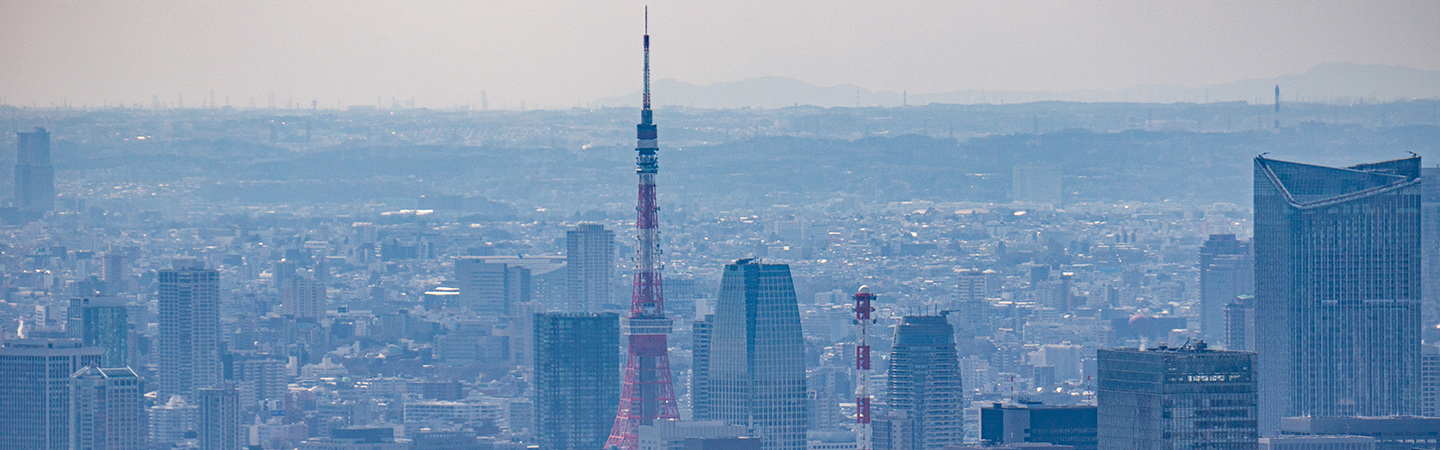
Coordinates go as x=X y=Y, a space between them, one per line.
x=648 y=393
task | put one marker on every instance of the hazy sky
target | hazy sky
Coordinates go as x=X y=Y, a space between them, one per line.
x=568 y=53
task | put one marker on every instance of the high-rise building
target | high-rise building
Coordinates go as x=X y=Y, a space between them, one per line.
x=482 y=285
x=116 y=272
x=35 y=391
x=972 y=286
x=219 y=427
x=171 y=421
x=1039 y=183
x=1166 y=398
x=577 y=379
x=702 y=333
x=303 y=298
x=1430 y=381
x=925 y=401
x=1005 y=424
x=590 y=267
x=189 y=342
x=757 y=362
x=102 y=322
x=260 y=378
x=1240 y=324
x=34 y=176
x=1337 y=289
x=1227 y=270
x=107 y=409
x=1430 y=243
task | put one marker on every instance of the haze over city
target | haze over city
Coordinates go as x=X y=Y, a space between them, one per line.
x=562 y=54
x=736 y=226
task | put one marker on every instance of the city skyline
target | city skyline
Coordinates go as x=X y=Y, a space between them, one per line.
x=1171 y=270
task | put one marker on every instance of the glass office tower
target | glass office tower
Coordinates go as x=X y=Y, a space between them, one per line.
x=1337 y=289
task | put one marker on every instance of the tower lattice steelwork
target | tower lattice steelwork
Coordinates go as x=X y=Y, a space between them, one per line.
x=648 y=393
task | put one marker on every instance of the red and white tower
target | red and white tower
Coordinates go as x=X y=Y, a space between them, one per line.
x=862 y=367
x=648 y=393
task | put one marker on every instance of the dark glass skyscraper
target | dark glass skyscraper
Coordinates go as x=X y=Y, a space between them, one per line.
x=102 y=322
x=1337 y=289
x=1176 y=398
x=577 y=379
x=757 y=355
x=925 y=408
x=34 y=175
x=1430 y=243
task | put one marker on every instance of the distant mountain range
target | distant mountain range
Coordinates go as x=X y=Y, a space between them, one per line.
x=1326 y=83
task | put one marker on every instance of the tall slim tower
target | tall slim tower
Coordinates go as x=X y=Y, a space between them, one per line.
x=862 y=367
x=34 y=175
x=647 y=394
x=590 y=267
x=189 y=344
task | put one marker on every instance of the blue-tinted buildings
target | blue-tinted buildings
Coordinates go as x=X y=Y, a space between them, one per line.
x=1337 y=289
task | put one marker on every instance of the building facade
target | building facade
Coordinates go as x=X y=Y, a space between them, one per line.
x=34 y=175
x=303 y=297
x=1227 y=271
x=1007 y=424
x=757 y=363
x=220 y=422
x=925 y=396
x=189 y=341
x=702 y=333
x=1240 y=324
x=1176 y=398
x=107 y=409
x=590 y=263
x=1337 y=289
x=35 y=391
x=483 y=286
x=102 y=322
x=577 y=379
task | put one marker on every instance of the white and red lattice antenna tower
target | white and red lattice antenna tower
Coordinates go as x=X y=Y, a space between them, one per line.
x=863 y=320
x=648 y=393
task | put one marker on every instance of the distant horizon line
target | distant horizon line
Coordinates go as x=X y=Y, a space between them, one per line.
x=873 y=98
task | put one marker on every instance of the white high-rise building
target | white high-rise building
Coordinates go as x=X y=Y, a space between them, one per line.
x=590 y=261
x=169 y=422
x=189 y=343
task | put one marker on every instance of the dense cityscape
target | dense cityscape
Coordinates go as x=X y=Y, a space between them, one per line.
x=1046 y=275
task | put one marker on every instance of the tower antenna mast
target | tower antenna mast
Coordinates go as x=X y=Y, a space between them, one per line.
x=648 y=394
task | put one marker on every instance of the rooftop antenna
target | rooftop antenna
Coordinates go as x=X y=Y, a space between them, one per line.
x=645 y=101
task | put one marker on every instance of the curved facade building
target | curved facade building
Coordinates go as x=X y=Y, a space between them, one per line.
x=757 y=362
x=1337 y=289
x=925 y=409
